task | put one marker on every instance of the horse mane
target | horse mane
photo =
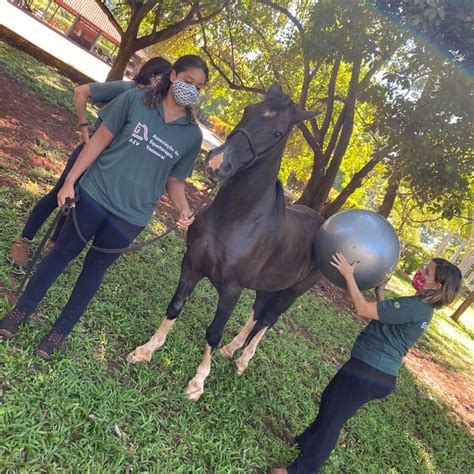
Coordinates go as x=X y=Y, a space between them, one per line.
x=280 y=197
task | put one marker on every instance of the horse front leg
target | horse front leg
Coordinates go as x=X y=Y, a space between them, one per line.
x=187 y=282
x=228 y=297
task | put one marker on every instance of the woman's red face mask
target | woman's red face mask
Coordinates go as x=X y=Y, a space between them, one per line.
x=418 y=281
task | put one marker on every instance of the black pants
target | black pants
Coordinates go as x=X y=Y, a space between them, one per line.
x=354 y=385
x=107 y=231
x=48 y=203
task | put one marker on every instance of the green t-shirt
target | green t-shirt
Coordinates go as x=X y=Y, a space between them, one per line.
x=106 y=91
x=384 y=343
x=130 y=175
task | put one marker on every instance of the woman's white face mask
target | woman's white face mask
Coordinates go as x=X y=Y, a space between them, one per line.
x=184 y=94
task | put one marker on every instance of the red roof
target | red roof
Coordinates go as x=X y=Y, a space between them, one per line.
x=90 y=11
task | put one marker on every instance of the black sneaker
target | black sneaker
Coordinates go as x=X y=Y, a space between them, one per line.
x=11 y=322
x=50 y=344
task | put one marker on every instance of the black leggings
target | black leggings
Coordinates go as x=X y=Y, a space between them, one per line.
x=48 y=203
x=107 y=231
x=356 y=384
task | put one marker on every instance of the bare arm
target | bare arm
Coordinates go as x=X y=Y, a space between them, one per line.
x=81 y=96
x=93 y=148
x=176 y=192
x=379 y=290
x=363 y=307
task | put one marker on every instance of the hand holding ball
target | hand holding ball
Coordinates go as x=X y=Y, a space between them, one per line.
x=362 y=236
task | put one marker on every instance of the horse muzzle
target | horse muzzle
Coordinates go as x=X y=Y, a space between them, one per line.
x=216 y=167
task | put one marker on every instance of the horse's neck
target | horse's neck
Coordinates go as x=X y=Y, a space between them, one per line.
x=253 y=191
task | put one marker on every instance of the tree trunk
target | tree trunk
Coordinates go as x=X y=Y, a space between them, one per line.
x=124 y=54
x=390 y=196
x=354 y=183
x=322 y=193
x=339 y=141
x=311 y=189
x=128 y=46
x=466 y=303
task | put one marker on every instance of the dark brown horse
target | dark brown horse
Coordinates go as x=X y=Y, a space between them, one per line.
x=247 y=238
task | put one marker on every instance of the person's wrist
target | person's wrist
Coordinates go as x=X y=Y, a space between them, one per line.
x=69 y=182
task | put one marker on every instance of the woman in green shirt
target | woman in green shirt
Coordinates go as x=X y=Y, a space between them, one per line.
x=377 y=354
x=147 y=143
x=98 y=92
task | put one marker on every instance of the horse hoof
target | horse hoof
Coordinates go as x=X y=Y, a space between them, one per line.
x=226 y=352
x=241 y=367
x=194 y=391
x=138 y=356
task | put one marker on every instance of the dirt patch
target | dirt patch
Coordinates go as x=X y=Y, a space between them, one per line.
x=300 y=330
x=6 y=181
x=335 y=296
x=27 y=120
x=451 y=387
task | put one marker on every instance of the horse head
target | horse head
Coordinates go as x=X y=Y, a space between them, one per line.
x=263 y=127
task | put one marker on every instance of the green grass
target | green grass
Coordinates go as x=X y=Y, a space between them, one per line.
x=61 y=416
x=44 y=80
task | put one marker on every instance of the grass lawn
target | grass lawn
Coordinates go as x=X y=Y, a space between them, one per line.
x=88 y=411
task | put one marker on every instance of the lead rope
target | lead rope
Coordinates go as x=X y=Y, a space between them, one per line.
x=68 y=207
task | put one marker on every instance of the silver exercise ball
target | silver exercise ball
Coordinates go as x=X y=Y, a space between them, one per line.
x=358 y=235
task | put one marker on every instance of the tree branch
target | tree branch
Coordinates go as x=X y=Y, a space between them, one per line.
x=331 y=98
x=306 y=84
x=231 y=84
x=110 y=16
x=169 y=31
x=349 y=104
x=353 y=184
x=309 y=137
x=285 y=12
x=231 y=37
x=376 y=67
x=159 y=8
x=205 y=19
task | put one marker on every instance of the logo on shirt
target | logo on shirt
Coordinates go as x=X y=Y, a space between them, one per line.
x=397 y=305
x=157 y=146
x=140 y=132
x=424 y=325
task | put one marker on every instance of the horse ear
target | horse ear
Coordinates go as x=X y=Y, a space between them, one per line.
x=301 y=115
x=275 y=89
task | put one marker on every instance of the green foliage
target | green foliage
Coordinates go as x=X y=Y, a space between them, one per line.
x=65 y=416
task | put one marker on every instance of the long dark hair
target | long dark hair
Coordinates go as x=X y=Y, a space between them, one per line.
x=450 y=278
x=153 y=67
x=156 y=96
